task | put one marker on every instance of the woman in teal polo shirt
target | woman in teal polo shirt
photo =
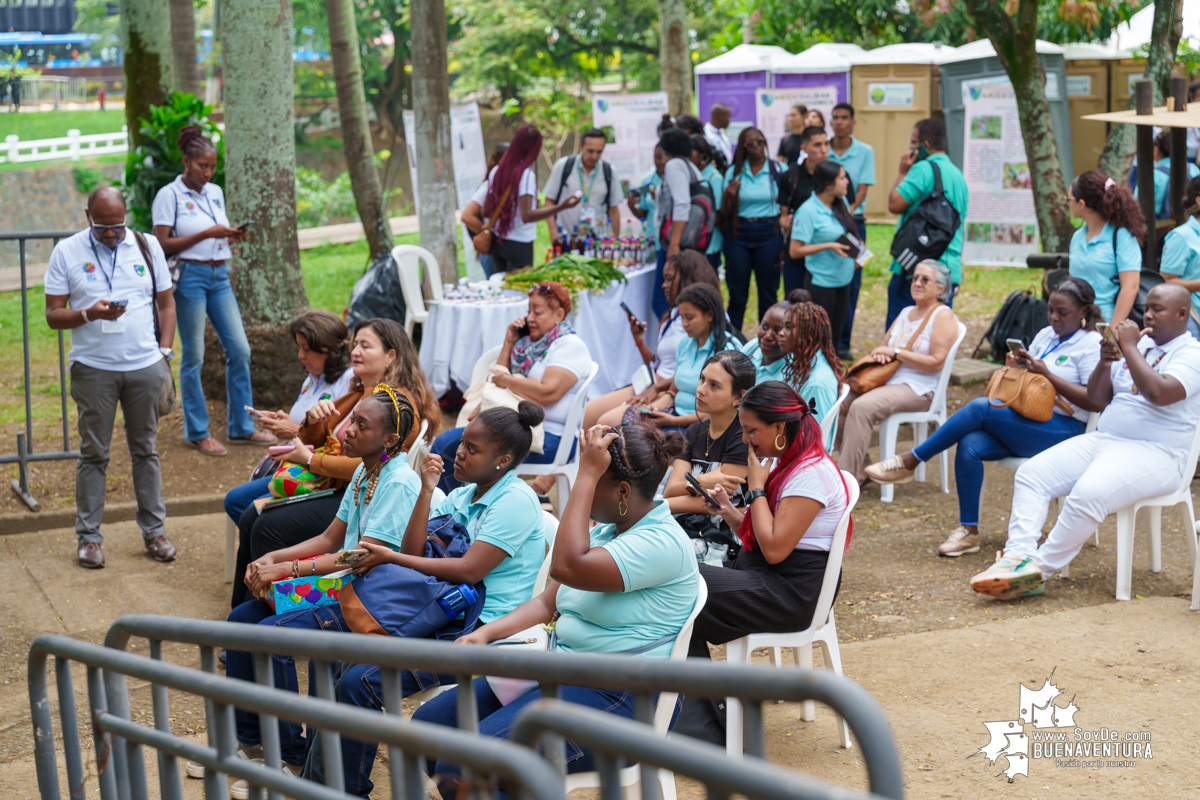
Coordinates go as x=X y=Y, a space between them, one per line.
x=813 y=367
x=1107 y=251
x=822 y=220
x=766 y=351
x=749 y=219
x=1181 y=254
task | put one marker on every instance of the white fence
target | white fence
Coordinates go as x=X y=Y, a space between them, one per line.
x=73 y=146
x=52 y=89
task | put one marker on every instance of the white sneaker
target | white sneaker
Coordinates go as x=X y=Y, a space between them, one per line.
x=1009 y=578
x=960 y=543
x=891 y=470
x=246 y=753
x=240 y=789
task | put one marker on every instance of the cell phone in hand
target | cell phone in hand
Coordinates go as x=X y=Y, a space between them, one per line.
x=1108 y=333
x=348 y=558
x=117 y=304
x=629 y=311
x=646 y=411
x=1015 y=346
x=280 y=449
x=690 y=478
x=245 y=225
x=254 y=412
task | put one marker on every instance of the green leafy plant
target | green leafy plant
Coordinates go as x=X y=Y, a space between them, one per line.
x=157 y=160
x=87 y=178
x=319 y=202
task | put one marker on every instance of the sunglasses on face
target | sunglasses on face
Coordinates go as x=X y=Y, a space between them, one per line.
x=922 y=279
x=99 y=229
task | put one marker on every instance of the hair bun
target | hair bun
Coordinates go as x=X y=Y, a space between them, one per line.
x=673 y=446
x=530 y=414
x=798 y=296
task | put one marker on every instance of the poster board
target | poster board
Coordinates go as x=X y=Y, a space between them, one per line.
x=772 y=106
x=630 y=123
x=1001 y=224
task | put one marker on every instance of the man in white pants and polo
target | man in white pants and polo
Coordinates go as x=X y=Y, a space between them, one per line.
x=1138 y=450
x=109 y=284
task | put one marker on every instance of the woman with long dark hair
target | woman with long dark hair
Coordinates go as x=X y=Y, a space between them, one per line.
x=703 y=156
x=509 y=199
x=1107 y=250
x=749 y=218
x=813 y=367
x=819 y=224
x=674 y=203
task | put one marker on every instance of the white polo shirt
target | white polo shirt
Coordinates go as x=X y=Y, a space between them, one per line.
x=1132 y=416
x=83 y=269
x=1073 y=359
x=190 y=212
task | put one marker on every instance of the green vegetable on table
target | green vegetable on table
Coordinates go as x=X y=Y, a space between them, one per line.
x=574 y=271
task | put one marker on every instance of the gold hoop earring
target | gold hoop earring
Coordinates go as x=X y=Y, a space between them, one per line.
x=779 y=446
x=622 y=509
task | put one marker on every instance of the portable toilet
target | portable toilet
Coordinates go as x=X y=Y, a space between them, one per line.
x=977 y=60
x=733 y=77
x=1089 y=74
x=819 y=78
x=892 y=88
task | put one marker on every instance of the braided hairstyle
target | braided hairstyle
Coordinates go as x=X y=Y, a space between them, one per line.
x=813 y=335
x=192 y=142
x=398 y=416
x=641 y=455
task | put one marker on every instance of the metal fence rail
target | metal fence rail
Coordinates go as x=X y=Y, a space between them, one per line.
x=753 y=685
x=121 y=764
x=25 y=452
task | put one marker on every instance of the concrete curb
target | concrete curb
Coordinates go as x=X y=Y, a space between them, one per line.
x=30 y=522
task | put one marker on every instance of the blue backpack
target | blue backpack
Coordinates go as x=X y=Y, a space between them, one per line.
x=392 y=600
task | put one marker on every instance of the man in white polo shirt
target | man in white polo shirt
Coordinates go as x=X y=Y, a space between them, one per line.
x=109 y=284
x=1138 y=450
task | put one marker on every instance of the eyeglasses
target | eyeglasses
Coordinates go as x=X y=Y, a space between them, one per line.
x=922 y=279
x=102 y=228
x=756 y=143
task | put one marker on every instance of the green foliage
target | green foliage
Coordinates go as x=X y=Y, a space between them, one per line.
x=92 y=17
x=1186 y=56
x=157 y=161
x=555 y=111
x=87 y=178
x=319 y=201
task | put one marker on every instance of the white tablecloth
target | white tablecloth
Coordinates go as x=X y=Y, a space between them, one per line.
x=457 y=334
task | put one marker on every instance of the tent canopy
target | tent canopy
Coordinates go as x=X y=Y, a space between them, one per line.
x=813 y=60
x=1136 y=32
x=1080 y=51
x=908 y=53
x=982 y=48
x=744 y=58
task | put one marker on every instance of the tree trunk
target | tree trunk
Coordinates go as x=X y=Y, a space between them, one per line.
x=149 y=63
x=674 y=56
x=1015 y=41
x=356 y=133
x=260 y=184
x=431 y=106
x=1165 y=33
x=183 y=44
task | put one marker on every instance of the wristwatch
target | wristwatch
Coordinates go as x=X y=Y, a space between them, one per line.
x=167 y=353
x=753 y=495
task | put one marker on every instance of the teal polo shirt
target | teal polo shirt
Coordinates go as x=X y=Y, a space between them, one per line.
x=917 y=184
x=1181 y=255
x=690 y=358
x=859 y=163
x=758 y=195
x=1162 y=180
x=646 y=203
x=715 y=182
x=508 y=516
x=771 y=372
x=392 y=503
x=816 y=224
x=821 y=391
x=1097 y=261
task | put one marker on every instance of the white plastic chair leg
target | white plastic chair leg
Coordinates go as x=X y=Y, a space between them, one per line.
x=945 y=456
x=231 y=547
x=831 y=654
x=1196 y=583
x=888 y=431
x=777 y=657
x=920 y=434
x=1189 y=525
x=1155 y=513
x=736 y=652
x=1065 y=572
x=667 y=780
x=806 y=662
x=1125 y=525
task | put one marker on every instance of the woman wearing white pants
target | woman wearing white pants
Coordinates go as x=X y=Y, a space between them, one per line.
x=1137 y=451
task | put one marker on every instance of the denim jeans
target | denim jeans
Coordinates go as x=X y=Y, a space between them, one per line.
x=445 y=444
x=239 y=498
x=855 y=286
x=984 y=433
x=900 y=297
x=794 y=274
x=753 y=251
x=658 y=298
x=204 y=291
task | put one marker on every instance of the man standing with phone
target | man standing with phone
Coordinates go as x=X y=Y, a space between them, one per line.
x=915 y=181
x=115 y=358
x=588 y=173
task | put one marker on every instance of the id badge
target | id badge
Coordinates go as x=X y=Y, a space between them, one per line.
x=113 y=325
x=588 y=215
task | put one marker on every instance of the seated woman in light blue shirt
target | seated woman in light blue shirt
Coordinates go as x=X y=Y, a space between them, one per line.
x=1107 y=251
x=702 y=157
x=813 y=367
x=818 y=225
x=766 y=350
x=1162 y=175
x=626 y=586
x=1181 y=254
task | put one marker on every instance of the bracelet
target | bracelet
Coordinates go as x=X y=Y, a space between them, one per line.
x=314 y=567
x=753 y=495
x=295 y=569
x=83 y=313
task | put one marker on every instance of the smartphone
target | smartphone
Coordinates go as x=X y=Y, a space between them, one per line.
x=1108 y=333
x=523 y=331
x=115 y=304
x=254 y=412
x=245 y=225
x=502 y=642
x=703 y=493
x=280 y=449
x=922 y=152
x=646 y=411
x=348 y=558
x=627 y=310
x=1014 y=346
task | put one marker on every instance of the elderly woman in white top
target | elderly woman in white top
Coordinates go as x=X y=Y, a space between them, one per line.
x=190 y=222
x=920 y=339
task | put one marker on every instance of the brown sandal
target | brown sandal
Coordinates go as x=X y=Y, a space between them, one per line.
x=209 y=446
x=258 y=437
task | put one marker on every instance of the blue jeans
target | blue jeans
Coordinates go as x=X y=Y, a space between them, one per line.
x=445 y=444
x=794 y=273
x=983 y=433
x=204 y=291
x=658 y=299
x=496 y=721
x=855 y=286
x=715 y=260
x=239 y=498
x=753 y=251
x=900 y=297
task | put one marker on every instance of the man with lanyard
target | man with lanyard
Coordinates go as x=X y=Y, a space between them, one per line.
x=858 y=159
x=105 y=276
x=1150 y=388
x=796 y=186
x=595 y=178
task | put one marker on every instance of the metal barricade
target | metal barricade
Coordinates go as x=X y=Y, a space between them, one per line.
x=119 y=741
x=644 y=677
x=25 y=452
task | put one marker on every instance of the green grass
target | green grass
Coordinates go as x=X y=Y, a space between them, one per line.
x=53 y=124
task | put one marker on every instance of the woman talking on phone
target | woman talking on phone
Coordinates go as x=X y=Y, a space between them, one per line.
x=190 y=222
x=1065 y=352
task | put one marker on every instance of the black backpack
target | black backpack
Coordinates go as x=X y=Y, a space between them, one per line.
x=377 y=293
x=1021 y=317
x=1147 y=281
x=702 y=219
x=928 y=231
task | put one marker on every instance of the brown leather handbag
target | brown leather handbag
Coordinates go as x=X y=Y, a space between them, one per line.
x=1027 y=393
x=482 y=241
x=867 y=373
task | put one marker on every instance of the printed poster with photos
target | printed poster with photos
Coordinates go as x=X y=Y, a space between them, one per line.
x=772 y=106
x=1001 y=224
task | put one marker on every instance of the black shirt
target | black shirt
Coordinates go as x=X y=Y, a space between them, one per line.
x=797 y=185
x=706 y=455
x=789 y=147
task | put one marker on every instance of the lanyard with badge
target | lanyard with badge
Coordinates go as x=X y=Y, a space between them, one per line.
x=108 y=325
x=587 y=214
x=208 y=212
x=1061 y=342
x=1133 y=389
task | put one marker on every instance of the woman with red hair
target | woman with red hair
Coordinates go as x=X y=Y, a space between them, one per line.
x=509 y=199
x=793 y=507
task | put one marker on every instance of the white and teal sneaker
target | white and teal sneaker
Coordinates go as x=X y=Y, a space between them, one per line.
x=1009 y=578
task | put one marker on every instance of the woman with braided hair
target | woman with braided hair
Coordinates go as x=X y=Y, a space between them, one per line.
x=626 y=586
x=190 y=223
x=813 y=367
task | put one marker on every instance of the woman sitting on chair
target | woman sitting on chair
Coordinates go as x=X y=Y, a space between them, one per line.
x=547 y=361
x=1065 y=352
x=920 y=339
x=813 y=367
x=626 y=586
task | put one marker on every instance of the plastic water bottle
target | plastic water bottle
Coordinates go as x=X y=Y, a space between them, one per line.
x=458 y=600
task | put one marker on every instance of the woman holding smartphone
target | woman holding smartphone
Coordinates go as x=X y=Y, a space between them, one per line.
x=819 y=237
x=1065 y=352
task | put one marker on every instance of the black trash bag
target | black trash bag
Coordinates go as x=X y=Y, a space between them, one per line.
x=377 y=293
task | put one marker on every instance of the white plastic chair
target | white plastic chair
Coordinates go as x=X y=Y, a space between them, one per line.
x=889 y=429
x=631 y=777
x=565 y=467
x=821 y=631
x=409 y=258
x=231 y=547
x=482 y=363
x=829 y=421
x=550 y=528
